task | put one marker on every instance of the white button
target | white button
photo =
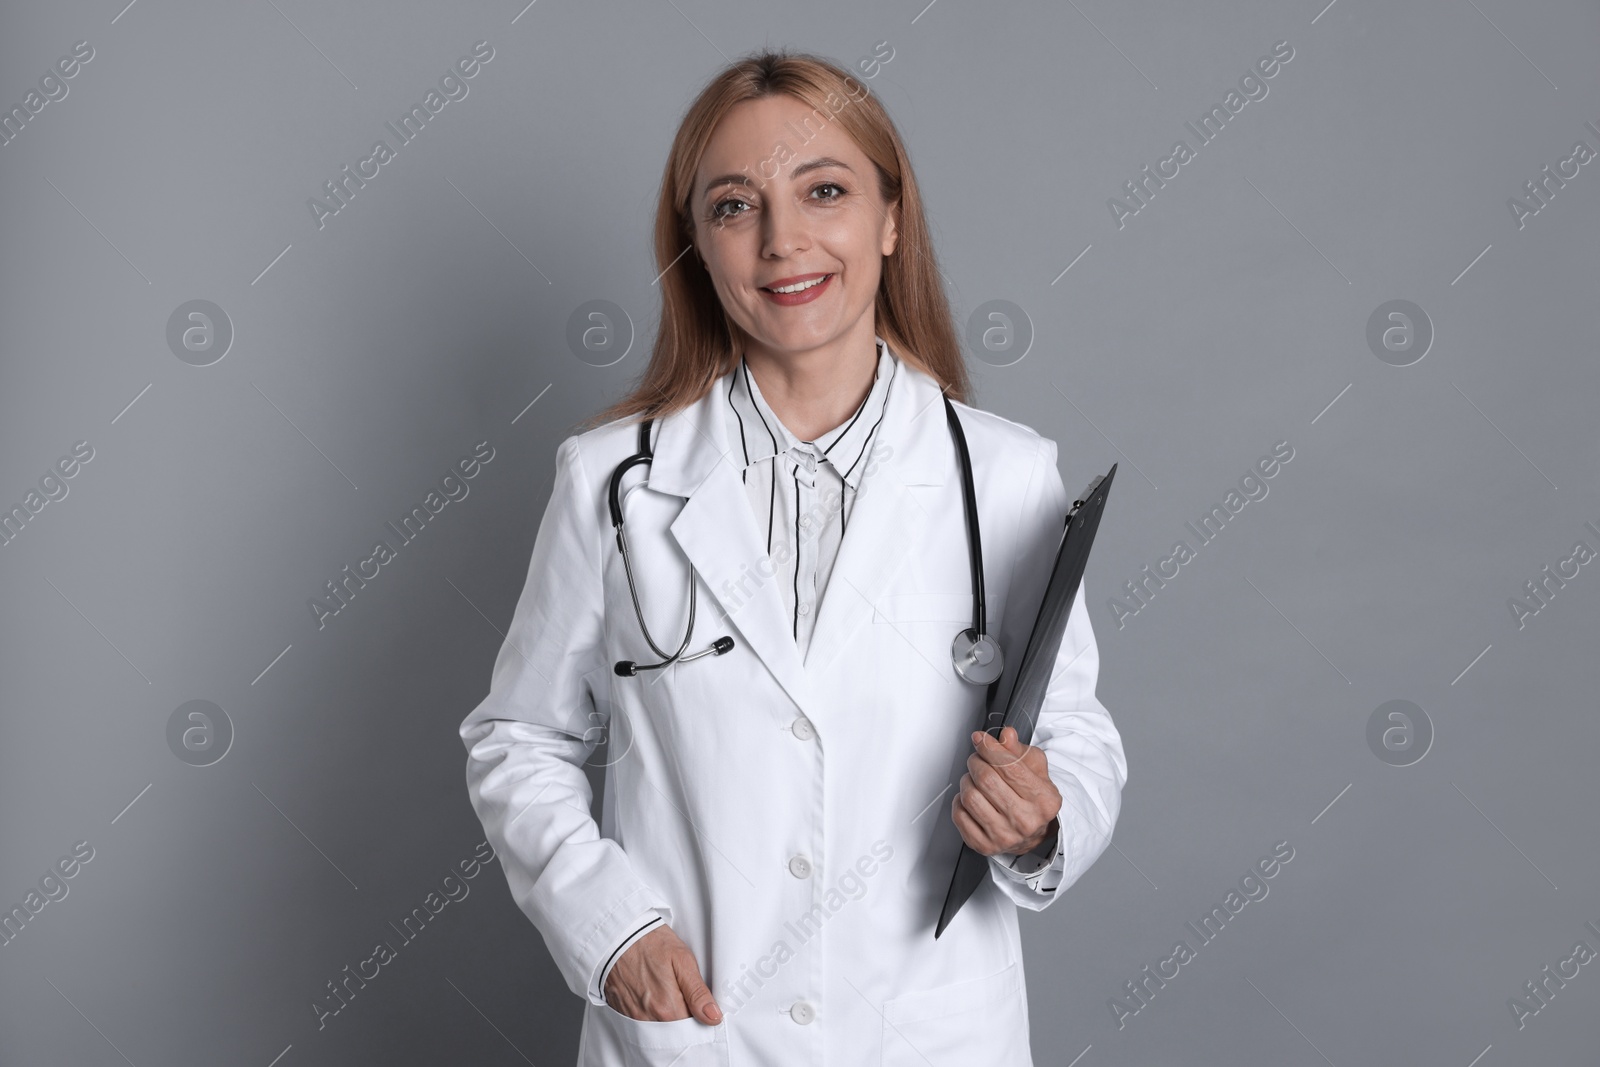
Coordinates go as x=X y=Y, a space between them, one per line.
x=799 y=866
x=804 y=609
x=803 y=729
x=802 y=1012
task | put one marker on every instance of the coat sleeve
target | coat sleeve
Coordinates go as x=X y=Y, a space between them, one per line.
x=527 y=740
x=642 y=924
x=1082 y=747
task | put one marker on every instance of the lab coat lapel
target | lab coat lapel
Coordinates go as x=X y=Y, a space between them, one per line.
x=717 y=531
x=892 y=516
x=889 y=522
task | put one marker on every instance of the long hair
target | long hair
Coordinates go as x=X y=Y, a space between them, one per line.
x=696 y=341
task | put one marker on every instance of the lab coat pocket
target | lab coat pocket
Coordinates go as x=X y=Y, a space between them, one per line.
x=686 y=1042
x=923 y=607
x=981 y=1020
x=921 y=628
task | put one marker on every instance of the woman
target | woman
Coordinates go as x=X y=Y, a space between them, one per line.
x=772 y=860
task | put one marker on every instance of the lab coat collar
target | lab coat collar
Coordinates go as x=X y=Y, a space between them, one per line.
x=845 y=446
x=888 y=524
x=692 y=442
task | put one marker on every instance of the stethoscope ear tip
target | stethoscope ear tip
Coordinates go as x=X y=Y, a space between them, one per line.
x=627 y=668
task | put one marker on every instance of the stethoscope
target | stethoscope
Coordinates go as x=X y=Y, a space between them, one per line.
x=975 y=654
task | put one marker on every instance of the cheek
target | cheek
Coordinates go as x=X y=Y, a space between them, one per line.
x=722 y=276
x=728 y=261
x=861 y=250
x=866 y=270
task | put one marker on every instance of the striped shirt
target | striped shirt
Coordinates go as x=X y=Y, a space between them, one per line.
x=802 y=492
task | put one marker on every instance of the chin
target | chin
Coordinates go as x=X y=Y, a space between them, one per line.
x=806 y=340
x=794 y=336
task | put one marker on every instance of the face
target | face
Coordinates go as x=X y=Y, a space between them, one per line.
x=771 y=213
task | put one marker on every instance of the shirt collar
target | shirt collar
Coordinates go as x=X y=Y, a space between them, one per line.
x=844 y=446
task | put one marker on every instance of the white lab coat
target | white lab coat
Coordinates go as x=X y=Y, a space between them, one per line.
x=790 y=818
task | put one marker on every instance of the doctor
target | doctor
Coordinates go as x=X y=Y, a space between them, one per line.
x=785 y=797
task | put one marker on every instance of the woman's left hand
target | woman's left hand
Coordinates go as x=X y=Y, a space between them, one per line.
x=1007 y=802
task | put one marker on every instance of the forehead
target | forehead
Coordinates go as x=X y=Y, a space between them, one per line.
x=763 y=137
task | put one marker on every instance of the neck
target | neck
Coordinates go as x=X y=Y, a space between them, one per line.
x=815 y=390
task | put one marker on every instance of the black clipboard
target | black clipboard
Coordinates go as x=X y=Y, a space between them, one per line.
x=1038 y=663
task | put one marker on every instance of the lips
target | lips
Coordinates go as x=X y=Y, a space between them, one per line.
x=795 y=279
x=820 y=284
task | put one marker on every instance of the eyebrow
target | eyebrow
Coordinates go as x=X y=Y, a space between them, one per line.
x=799 y=169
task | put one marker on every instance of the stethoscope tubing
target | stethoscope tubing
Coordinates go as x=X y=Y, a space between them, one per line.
x=968 y=646
x=980 y=611
x=628 y=668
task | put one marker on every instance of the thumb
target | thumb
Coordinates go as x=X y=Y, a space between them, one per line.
x=702 y=1005
x=1009 y=742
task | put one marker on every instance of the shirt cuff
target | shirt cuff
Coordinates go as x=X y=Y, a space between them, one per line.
x=642 y=924
x=1033 y=870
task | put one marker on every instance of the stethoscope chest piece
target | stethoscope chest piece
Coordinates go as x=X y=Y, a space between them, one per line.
x=977 y=657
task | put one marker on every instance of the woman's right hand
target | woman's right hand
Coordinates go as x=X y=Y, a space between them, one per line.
x=658 y=980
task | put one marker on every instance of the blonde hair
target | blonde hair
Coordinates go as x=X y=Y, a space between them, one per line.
x=694 y=343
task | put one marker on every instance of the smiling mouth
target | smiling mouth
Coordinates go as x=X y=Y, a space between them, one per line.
x=797 y=287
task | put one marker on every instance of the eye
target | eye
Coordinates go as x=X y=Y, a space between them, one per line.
x=717 y=212
x=841 y=191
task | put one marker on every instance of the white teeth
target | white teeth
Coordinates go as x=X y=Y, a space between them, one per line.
x=802 y=286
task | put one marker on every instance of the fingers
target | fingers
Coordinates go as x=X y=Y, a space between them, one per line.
x=658 y=980
x=986 y=829
x=1024 y=768
x=1007 y=793
x=1008 y=753
x=701 y=1003
x=997 y=812
x=996 y=827
x=973 y=831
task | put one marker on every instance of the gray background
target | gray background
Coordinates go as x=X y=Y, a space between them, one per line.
x=1229 y=314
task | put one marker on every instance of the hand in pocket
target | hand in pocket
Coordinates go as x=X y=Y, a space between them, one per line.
x=658 y=980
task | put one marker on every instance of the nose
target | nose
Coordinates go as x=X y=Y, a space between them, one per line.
x=784 y=229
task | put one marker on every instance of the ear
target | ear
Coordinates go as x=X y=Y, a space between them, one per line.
x=891 y=228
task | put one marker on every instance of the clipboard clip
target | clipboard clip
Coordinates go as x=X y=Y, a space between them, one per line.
x=1087 y=493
